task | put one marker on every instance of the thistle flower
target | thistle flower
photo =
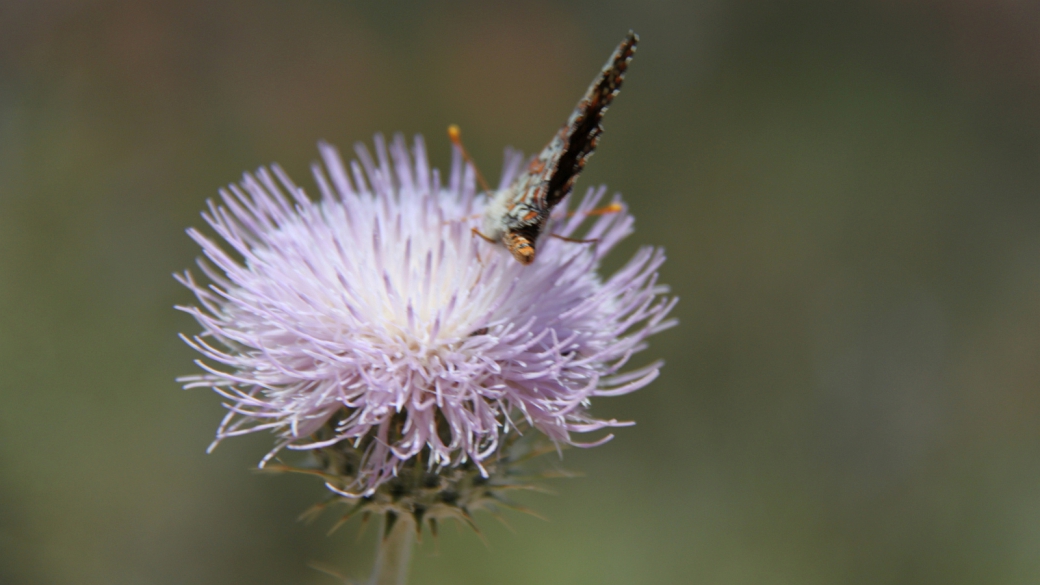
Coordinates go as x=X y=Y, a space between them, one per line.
x=373 y=320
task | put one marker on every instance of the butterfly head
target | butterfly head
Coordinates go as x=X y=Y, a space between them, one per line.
x=520 y=246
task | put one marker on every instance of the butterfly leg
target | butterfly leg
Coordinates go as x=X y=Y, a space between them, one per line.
x=574 y=241
x=592 y=241
x=476 y=232
x=462 y=219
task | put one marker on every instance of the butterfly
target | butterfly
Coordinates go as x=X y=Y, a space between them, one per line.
x=517 y=215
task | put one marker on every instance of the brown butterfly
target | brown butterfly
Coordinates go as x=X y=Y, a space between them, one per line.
x=517 y=215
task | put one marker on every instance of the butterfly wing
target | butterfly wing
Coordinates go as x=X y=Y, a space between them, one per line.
x=580 y=135
x=518 y=214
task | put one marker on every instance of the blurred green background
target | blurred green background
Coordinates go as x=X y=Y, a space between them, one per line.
x=849 y=193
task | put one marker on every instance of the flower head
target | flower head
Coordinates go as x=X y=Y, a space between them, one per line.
x=374 y=318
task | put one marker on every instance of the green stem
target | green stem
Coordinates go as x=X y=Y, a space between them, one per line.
x=393 y=550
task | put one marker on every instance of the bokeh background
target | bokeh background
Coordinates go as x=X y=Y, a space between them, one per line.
x=849 y=193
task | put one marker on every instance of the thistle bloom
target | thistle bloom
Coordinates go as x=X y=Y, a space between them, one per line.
x=375 y=313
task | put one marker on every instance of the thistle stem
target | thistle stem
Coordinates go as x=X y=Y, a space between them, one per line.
x=393 y=550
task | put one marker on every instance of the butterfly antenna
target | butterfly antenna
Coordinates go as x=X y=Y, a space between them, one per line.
x=606 y=210
x=455 y=134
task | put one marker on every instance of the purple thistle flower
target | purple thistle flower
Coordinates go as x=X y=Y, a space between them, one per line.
x=376 y=309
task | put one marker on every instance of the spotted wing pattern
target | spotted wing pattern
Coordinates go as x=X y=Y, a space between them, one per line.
x=518 y=214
